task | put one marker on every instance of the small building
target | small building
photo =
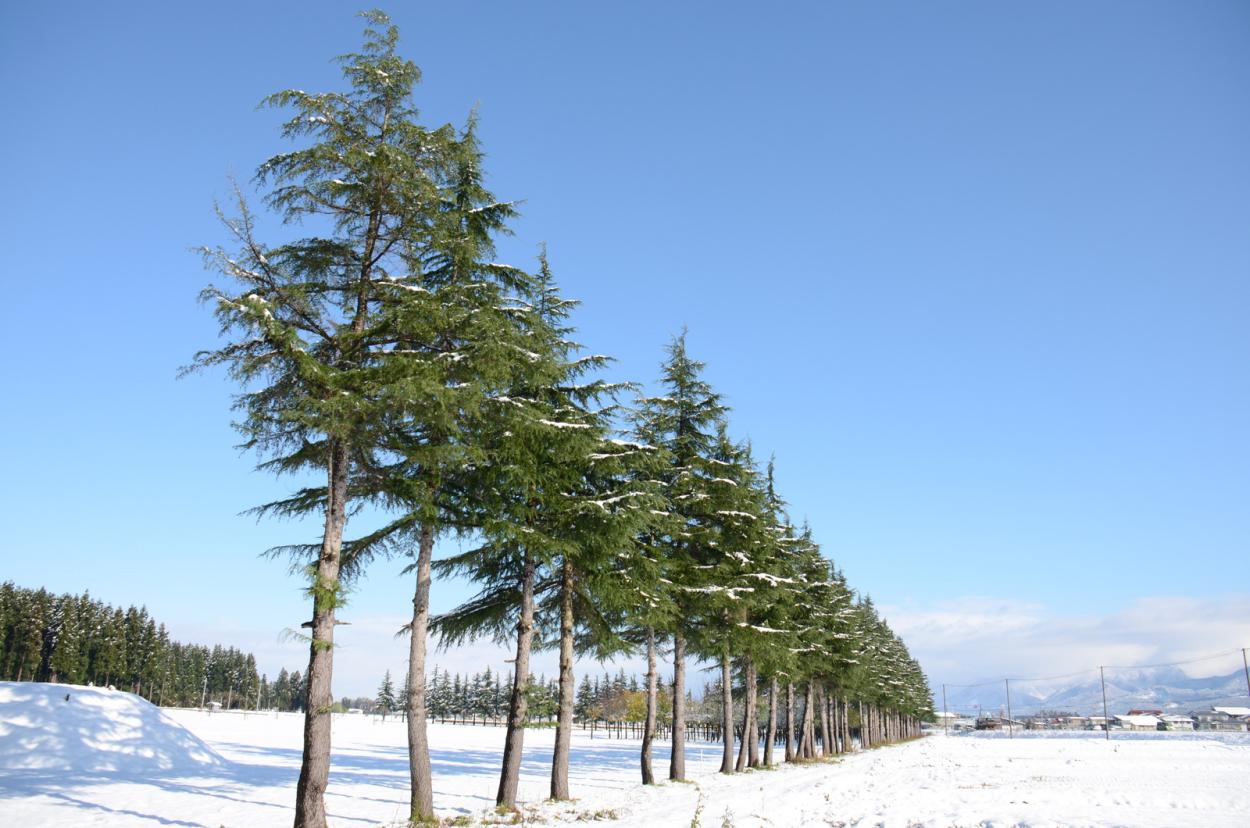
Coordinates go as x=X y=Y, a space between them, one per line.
x=1097 y=723
x=1235 y=712
x=1145 y=712
x=213 y=705
x=1175 y=722
x=1219 y=719
x=1075 y=723
x=1139 y=722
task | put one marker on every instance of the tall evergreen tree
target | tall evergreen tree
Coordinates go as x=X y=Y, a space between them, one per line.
x=552 y=476
x=386 y=695
x=333 y=340
x=683 y=422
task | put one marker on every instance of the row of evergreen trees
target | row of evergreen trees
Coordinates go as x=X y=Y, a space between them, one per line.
x=287 y=693
x=483 y=696
x=75 y=639
x=486 y=695
x=387 y=352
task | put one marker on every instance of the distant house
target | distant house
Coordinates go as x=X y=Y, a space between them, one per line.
x=1136 y=722
x=1176 y=723
x=1219 y=719
x=1235 y=712
x=1097 y=723
x=1075 y=723
x=1145 y=712
x=963 y=723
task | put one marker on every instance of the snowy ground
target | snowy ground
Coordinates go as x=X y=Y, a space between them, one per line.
x=108 y=759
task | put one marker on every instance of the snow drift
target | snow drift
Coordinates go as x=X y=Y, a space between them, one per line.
x=67 y=728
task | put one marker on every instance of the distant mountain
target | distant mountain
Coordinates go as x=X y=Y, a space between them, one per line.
x=1166 y=688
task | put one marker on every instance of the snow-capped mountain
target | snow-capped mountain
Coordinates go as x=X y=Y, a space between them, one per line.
x=1166 y=688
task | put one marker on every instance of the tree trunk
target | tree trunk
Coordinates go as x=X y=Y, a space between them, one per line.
x=748 y=753
x=741 y=764
x=839 y=735
x=771 y=733
x=421 y=802
x=677 y=763
x=826 y=747
x=790 y=746
x=727 y=716
x=752 y=732
x=809 y=726
x=648 y=728
x=314 y=772
x=564 y=721
x=514 y=741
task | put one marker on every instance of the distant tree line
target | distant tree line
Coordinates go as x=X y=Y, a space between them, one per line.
x=287 y=693
x=75 y=639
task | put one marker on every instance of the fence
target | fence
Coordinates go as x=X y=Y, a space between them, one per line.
x=695 y=731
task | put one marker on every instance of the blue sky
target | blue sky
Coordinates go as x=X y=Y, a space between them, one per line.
x=977 y=274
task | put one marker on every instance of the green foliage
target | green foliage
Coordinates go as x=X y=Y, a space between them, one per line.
x=74 y=639
x=386 y=695
x=381 y=345
x=559 y=490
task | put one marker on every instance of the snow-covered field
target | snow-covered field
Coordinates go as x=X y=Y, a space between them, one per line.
x=107 y=758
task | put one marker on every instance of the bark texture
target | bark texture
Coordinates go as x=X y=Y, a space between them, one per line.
x=727 y=716
x=314 y=772
x=826 y=747
x=514 y=740
x=751 y=734
x=564 y=721
x=771 y=733
x=677 y=762
x=648 y=728
x=791 y=751
x=421 y=797
x=807 y=751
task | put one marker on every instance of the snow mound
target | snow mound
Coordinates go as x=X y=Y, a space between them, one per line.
x=93 y=731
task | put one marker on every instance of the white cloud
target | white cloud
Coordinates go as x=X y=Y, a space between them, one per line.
x=974 y=639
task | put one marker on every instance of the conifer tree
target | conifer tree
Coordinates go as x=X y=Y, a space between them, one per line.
x=66 y=657
x=316 y=318
x=557 y=506
x=682 y=422
x=386 y=695
x=457 y=341
x=771 y=609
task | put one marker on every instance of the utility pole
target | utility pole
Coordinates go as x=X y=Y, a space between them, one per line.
x=1011 y=731
x=1106 y=720
x=946 y=719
